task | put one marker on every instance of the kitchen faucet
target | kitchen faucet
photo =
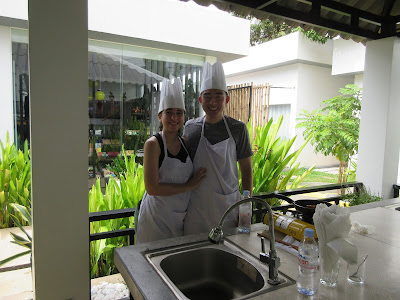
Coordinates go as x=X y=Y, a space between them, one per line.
x=271 y=258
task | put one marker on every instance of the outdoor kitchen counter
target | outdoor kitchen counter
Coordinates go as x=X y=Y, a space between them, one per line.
x=382 y=266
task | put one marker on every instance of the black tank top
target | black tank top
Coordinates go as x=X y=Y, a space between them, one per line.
x=182 y=155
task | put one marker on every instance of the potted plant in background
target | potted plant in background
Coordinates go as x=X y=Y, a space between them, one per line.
x=26 y=242
x=271 y=157
x=15 y=194
x=334 y=128
x=15 y=182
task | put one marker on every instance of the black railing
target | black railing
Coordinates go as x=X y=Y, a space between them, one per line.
x=396 y=189
x=109 y=215
x=260 y=211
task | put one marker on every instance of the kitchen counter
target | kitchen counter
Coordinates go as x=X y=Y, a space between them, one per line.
x=382 y=266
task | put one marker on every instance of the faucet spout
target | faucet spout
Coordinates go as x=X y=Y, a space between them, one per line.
x=216 y=235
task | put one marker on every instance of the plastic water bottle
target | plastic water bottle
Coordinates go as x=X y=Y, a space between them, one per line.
x=307 y=279
x=245 y=214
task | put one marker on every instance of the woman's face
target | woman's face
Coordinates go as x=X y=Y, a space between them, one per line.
x=172 y=119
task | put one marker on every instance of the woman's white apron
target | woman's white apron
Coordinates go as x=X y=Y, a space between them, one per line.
x=219 y=190
x=161 y=217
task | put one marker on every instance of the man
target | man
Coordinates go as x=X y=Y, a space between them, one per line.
x=217 y=143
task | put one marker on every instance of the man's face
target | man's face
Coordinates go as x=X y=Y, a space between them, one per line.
x=213 y=102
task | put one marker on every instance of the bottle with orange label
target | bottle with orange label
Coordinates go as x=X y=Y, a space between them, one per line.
x=289 y=225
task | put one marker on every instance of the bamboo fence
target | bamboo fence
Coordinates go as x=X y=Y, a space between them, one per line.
x=248 y=100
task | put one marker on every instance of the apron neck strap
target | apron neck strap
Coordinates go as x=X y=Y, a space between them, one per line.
x=226 y=126
x=165 y=144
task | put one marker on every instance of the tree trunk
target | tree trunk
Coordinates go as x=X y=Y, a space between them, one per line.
x=342 y=176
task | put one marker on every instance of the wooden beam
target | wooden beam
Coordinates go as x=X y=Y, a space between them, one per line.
x=300 y=16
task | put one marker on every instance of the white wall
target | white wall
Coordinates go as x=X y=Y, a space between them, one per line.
x=314 y=52
x=287 y=49
x=15 y=9
x=172 y=22
x=378 y=157
x=269 y=54
x=315 y=84
x=303 y=68
x=358 y=80
x=6 y=90
x=279 y=76
x=348 y=57
x=179 y=26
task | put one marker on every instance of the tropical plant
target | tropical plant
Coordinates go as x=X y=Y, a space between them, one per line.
x=266 y=30
x=101 y=251
x=334 y=128
x=262 y=31
x=132 y=182
x=360 y=198
x=314 y=36
x=115 y=197
x=15 y=182
x=271 y=157
x=136 y=134
x=351 y=170
x=26 y=215
x=117 y=166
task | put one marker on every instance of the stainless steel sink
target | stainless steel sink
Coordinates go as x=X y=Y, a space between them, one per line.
x=209 y=271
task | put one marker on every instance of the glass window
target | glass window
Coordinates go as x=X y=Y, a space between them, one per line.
x=124 y=83
x=124 y=94
x=274 y=112
x=21 y=85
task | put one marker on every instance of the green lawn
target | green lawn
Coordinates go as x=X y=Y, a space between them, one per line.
x=317 y=176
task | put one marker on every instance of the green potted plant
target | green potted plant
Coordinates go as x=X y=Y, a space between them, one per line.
x=26 y=242
x=15 y=182
x=271 y=157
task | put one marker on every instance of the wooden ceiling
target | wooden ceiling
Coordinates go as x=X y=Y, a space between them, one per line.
x=360 y=20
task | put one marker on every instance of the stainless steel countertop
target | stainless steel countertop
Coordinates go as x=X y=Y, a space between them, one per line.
x=382 y=268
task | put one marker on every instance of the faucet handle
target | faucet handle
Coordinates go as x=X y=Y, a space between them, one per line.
x=216 y=235
x=264 y=257
x=262 y=245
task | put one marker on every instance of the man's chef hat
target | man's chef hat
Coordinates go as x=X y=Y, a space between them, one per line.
x=213 y=77
x=171 y=95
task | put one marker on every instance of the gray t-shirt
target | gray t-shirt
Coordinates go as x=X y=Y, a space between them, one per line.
x=216 y=133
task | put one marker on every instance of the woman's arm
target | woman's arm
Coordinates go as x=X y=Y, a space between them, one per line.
x=151 y=173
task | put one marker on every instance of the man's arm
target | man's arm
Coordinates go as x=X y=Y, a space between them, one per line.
x=247 y=174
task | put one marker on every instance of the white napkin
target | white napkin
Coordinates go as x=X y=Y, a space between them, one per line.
x=362 y=229
x=333 y=226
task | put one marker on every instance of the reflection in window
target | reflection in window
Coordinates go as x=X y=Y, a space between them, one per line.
x=21 y=93
x=124 y=84
x=124 y=94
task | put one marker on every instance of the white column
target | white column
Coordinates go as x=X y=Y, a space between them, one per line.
x=378 y=158
x=58 y=49
x=6 y=92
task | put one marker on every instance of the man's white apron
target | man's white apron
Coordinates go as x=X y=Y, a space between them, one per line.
x=219 y=190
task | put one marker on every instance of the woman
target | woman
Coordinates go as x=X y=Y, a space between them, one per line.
x=168 y=171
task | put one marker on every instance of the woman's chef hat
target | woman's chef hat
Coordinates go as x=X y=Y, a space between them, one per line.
x=213 y=77
x=171 y=95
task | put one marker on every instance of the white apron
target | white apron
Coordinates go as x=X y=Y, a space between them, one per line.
x=161 y=217
x=219 y=190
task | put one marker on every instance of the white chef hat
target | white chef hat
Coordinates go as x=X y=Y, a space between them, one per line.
x=213 y=77
x=171 y=95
